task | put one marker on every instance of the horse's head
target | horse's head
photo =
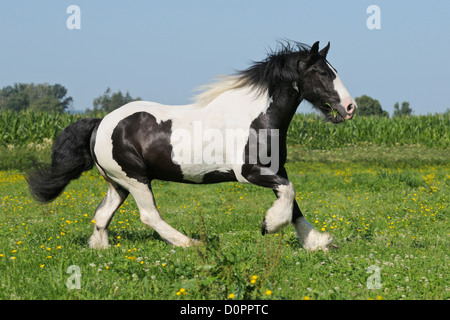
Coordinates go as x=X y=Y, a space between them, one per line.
x=321 y=85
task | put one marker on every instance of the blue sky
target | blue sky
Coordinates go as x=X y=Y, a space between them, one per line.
x=162 y=50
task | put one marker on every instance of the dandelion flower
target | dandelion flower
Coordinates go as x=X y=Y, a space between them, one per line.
x=268 y=292
x=182 y=291
x=231 y=296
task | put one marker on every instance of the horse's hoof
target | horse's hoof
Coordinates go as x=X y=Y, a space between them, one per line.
x=195 y=242
x=263 y=228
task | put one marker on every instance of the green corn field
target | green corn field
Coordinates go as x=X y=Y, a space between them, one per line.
x=313 y=133
x=24 y=128
x=308 y=131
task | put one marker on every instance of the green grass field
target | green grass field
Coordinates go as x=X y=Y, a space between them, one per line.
x=386 y=207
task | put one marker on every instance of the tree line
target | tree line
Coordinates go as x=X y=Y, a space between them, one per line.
x=36 y=97
x=368 y=106
x=53 y=98
x=44 y=97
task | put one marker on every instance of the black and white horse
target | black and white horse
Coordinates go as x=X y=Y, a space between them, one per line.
x=235 y=130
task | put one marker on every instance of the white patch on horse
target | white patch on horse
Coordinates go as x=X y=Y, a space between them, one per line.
x=345 y=97
x=150 y=216
x=104 y=213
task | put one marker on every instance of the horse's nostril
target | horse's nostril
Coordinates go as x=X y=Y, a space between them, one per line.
x=350 y=108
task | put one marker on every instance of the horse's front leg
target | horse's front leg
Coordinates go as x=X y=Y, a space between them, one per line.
x=280 y=214
x=311 y=238
x=285 y=209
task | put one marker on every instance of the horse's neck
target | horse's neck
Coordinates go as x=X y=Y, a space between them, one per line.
x=239 y=104
x=249 y=107
x=281 y=110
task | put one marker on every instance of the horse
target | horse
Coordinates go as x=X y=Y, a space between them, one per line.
x=234 y=131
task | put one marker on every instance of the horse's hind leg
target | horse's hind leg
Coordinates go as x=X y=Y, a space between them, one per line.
x=115 y=196
x=151 y=217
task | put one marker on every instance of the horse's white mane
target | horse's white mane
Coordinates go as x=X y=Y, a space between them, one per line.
x=220 y=85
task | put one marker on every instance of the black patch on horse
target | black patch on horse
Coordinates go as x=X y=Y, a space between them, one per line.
x=141 y=147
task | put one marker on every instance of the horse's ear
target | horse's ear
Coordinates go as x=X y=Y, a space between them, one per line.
x=314 y=48
x=324 y=51
x=311 y=58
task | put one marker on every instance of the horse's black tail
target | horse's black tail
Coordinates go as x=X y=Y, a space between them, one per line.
x=71 y=155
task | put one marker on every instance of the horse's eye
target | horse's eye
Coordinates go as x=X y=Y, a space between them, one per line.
x=323 y=73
